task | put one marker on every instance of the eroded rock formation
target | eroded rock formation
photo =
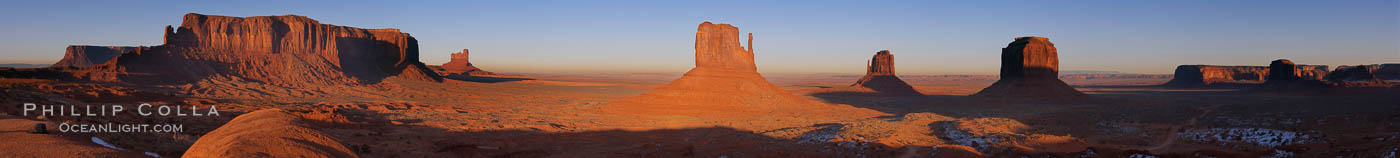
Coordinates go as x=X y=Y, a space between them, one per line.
x=267 y=132
x=460 y=66
x=723 y=83
x=87 y=56
x=288 y=50
x=1030 y=68
x=880 y=78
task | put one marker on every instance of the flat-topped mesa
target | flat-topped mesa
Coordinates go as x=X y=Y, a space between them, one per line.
x=880 y=78
x=1194 y=76
x=460 y=65
x=288 y=50
x=1030 y=68
x=717 y=47
x=81 y=56
x=1359 y=73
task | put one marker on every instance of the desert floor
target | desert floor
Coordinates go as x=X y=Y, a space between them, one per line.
x=558 y=115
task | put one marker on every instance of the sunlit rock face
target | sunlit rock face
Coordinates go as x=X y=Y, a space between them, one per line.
x=288 y=50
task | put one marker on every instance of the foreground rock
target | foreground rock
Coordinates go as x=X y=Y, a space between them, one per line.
x=19 y=142
x=460 y=66
x=288 y=50
x=264 y=133
x=87 y=56
x=880 y=78
x=724 y=83
x=1030 y=68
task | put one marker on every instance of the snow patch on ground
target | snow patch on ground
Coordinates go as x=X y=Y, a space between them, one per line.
x=1141 y=156
x=104 y=143
x=1256 y=136
x=1280 y=154
x=964 y=138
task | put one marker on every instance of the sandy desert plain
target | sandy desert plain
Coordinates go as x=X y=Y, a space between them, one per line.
x=298 y=88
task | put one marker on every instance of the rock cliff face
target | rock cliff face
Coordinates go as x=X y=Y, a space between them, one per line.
x=1030 y=68
x=87 y=56
x=724 y=83
x=288 y=50
x=460 y=66
x=267 y=132
x=880 y=78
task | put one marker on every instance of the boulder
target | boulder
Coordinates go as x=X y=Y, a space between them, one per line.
x=86 y=56
x=880 y=78
x=267 y=133
x=1030 y=68
x=289 y=50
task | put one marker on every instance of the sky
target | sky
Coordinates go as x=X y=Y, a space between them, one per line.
x=806 y=36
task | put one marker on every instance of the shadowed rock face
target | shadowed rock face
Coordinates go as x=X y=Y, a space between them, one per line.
x=288 y=50
x=460 y=65
x=880 y=78
x=1285 y=75
x=1030 y=68
x=267 y=132
x=87 y=56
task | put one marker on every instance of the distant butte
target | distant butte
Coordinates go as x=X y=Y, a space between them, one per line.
x=460 y=65
x=880 y=78
x=724 y=83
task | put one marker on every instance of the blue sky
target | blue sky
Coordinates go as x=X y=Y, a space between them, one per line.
x=926 y=37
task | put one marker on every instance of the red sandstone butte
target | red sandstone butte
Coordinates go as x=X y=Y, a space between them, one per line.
x=1030 y=68
x=880 y=78
x=1285 y=75
x=460 y=65
x=267 y=132
x=1359 y=73
x=723 y=83
x=86 y=56
x=1192 y=76
x=288 y=50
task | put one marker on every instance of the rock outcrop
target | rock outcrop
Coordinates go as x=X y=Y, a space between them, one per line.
x=880 y=78
x=288 y=50
x=267 y=132
x=1359 y=73
x=724 y=83
x=87 y=56
x=1030 y=68
x=460 y=66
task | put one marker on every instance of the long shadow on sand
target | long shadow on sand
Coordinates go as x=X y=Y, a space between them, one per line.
x=373 y=134
x=486 y=79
